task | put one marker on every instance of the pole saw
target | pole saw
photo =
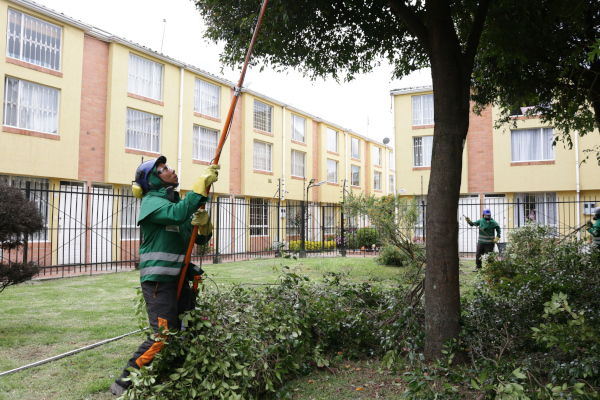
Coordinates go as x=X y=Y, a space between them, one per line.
x=236 y=94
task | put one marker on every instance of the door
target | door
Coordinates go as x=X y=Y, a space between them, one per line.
x=225 y=225
x=239 y=225
x=468 y=206
x=72 y=212
x=101 y=217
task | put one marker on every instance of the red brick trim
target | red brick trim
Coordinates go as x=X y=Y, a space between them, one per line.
x=141 y=152
x=377 y=191
x=299 y=143
x=197 y=114
x=392 y=170
x=263 y=132
x=148 y=99
x=525 y=117
x=355 y=159
x=423 y=126
x=258 y=171
x=516 y=164
x=27 y=132
x=299 y=178
x=334 y=153
x=421 y=168
x=333 y=184
x=200 y=162
x=377 y=165
x=355 y=187
x=34 y=67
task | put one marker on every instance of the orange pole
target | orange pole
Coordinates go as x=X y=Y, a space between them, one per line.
x=224 y=134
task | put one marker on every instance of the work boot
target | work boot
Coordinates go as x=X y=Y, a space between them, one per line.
x=119 y=387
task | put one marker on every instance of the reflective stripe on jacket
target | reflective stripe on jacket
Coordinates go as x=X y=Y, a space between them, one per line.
x=167 y=229
x=488 y=227
x=595 y=231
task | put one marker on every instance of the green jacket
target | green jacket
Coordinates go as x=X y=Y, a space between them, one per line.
x=488 y=227
x=167 y=230
x=595 y=231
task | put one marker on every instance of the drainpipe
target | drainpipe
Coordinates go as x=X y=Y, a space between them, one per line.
x=578 y=186
x=179 y=145
x=282 y=189
x=346 y=157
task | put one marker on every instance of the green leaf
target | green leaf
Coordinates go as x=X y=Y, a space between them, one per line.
x=474 y=384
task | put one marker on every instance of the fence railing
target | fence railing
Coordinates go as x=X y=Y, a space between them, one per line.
x=96 y=231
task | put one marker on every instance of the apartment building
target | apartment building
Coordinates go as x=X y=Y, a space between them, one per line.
x=82 y=108
x=514 y=170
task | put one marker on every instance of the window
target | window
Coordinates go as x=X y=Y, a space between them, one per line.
x=259 y=217
x=130 y=210
x=423 y=110
x=298 y=129
x=205 y=143
x=392 y=186
x=532 y=144
x=377 y=181
x=38 y=194
x=293 y=223
x=145 y=77
x=420 y=226
x=298 y=163
x=30 y=106
x=143 y=131
x=329 y=219
x=332 y=140
x=355 y=176
x=422 y=147
x=206 y=98
x=355 y=146
x=332 y=171
x=539 y=208
x=392 y=161
x=32 y=40
x=262 y=156
x=376 y=155
x=263 y=115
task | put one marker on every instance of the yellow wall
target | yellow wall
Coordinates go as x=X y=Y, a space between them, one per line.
x=406 y=177
x=295 y=185
x=21 y=155
x=359 y=163
x=330 y=192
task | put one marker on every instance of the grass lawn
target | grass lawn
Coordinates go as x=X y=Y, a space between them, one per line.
x=42 y=319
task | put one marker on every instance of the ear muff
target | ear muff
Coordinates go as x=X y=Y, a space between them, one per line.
x=137 y=190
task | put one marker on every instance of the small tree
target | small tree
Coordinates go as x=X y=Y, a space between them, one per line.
x=19 y=218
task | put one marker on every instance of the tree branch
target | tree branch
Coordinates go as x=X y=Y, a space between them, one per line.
x=413 y=23
x=476 y=31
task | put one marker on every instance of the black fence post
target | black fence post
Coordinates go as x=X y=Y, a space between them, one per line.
x=26 y=241
x=216 y=229
x=303 y=232
x=322 y=228
x=518 y=214
x=342 y=243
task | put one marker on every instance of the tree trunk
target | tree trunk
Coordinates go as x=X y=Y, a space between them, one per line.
x=451 y=80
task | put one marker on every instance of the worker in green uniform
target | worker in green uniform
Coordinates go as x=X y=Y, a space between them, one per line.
x=166 y=222
x=487 y=238
x=594 y=229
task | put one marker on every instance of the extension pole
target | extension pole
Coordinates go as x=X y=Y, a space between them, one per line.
x=236 y=94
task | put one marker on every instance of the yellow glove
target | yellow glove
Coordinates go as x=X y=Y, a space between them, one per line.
x=202 y=221
x=210 y=176
x=468 y=220
x=589 y=224
x=496 y=239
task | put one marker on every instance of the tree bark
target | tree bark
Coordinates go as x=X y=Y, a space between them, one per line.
x=451 y=80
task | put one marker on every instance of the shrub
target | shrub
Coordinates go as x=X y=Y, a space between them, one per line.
x=309 y=245
x=367 y=237
x=392 y=256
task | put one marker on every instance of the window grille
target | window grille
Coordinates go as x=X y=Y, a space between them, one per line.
x=332 y=171
x=377 y=181
x=298 y=163
x=423 y=109
x=262 y=156
x=143 y=131
x=145 y=77
x=32 y=40
x=293 y=224
x=532 y=144
x=130 y=211
x=392 y=161
x=355 y=145
x=392 y=186
x=539 y=208
x=204 y=143
x=38 y=195
x=30 y=106
x=355 y=176
x=298 y=129
x=259 y=217
x=332 y=140
x=422 y=147
x=377 y=155
x=206 y=98
x=263 y=115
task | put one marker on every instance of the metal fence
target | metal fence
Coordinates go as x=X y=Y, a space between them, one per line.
x=96 y=231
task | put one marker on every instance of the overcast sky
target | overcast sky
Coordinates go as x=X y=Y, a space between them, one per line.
x=349 y=105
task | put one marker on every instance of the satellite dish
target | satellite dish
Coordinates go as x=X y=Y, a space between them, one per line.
x=386 y=140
